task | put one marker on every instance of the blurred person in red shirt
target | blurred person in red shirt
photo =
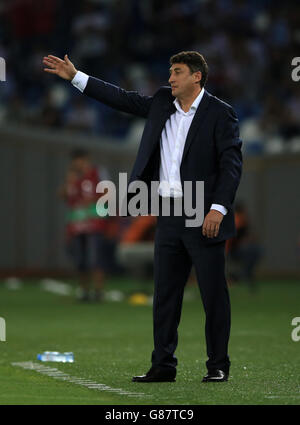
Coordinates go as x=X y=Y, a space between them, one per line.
x=85 y=230
x=243 y=250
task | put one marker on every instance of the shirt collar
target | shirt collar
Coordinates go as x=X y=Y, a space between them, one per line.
x=194 y=105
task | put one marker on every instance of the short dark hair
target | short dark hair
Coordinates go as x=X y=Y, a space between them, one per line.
x=195 y=61
x=79 y=153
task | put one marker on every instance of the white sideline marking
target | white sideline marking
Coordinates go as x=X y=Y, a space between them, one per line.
x=56 y=287
x=283 y=396
x=57 y=374
x=61 y=288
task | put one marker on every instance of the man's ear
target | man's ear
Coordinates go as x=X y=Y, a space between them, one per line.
x=198 y=77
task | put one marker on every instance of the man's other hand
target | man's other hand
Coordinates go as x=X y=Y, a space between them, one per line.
x=211 y=223
x=63 y=68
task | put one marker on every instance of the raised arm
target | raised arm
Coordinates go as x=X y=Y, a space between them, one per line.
x=109 y=94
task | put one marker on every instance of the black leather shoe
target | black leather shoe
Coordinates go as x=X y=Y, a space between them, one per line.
x=216 y=375
x=157 y=374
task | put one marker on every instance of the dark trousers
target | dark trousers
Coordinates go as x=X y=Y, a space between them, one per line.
x=177 y=248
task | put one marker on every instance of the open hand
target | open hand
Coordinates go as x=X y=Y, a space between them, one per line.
x=211 y=223
x=63 y=68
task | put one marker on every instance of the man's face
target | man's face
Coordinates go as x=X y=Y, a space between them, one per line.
x=80 y=164
x=182 y=81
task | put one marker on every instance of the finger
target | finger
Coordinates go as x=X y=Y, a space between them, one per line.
x=66 y=58
x=216 y=231
x=48 y=58
x=48 y=63
x=51 y=71
x=211 y=230
x=206 y=229
x=55 y=59
x=208 y=232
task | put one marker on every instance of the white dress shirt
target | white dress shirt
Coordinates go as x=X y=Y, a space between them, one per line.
x=172 y=143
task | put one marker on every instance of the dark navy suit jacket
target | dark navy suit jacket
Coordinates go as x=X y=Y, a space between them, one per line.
x=212 y=151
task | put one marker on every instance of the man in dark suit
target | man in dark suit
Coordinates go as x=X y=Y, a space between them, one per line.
x=190 y=135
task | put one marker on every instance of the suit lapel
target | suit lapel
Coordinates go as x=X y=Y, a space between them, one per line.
x=148 y=146
x=197 y=121
x=168 y=110
x=165 y=114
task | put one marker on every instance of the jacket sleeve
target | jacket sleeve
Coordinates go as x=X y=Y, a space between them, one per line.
x=228 y=144
x=118 y=98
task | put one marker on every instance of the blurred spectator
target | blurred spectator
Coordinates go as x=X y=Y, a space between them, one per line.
x=290 y=126
x=243 y=251
x=81 y=117
x=90 y=28
x=17 y=111
x=50 y=115
x=86 y=231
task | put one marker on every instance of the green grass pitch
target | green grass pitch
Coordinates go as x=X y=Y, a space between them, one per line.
x=112 y=341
